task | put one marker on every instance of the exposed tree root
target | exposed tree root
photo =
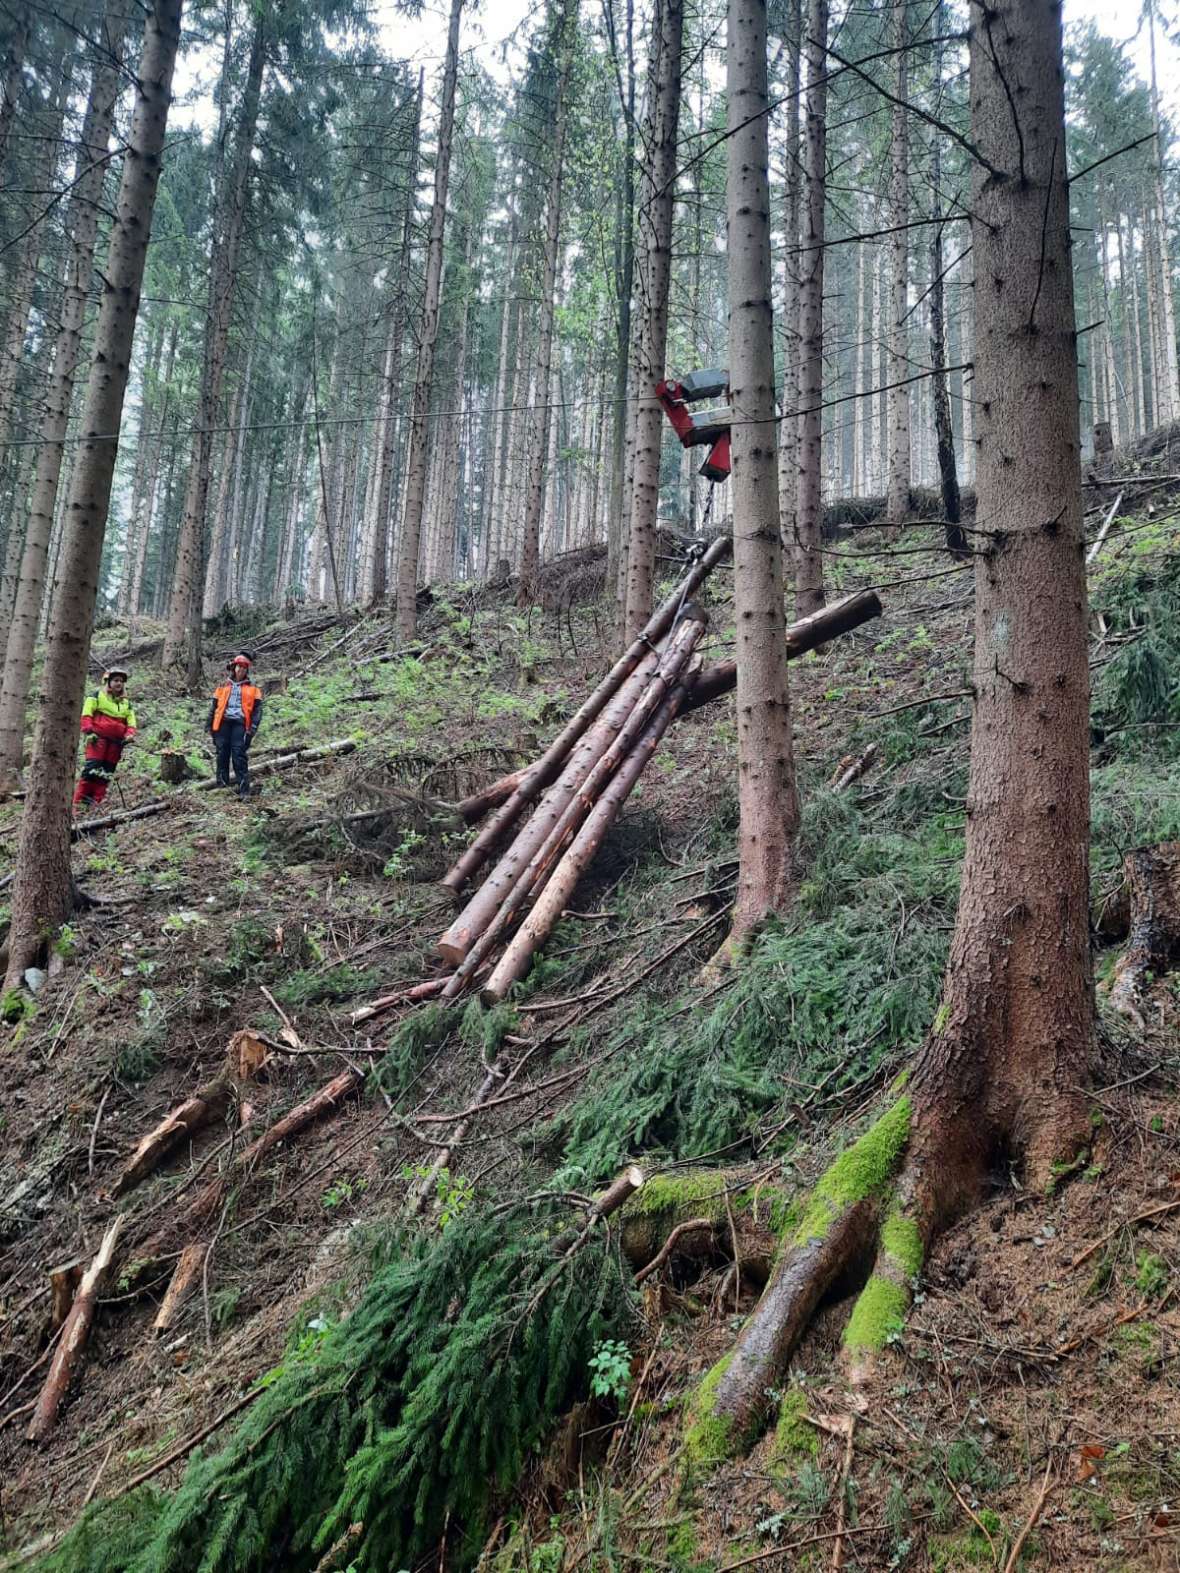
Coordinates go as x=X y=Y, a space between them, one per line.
x=1153 y=880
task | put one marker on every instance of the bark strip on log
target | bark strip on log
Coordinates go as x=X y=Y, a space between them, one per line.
x=192 y=1259
x=63 y=1289
x=201 y=1109
x=560 y=888
x=545 y=770
x=73 y=1339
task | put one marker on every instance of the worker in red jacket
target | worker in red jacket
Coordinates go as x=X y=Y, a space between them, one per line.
x=108 y=725
x=234 y=716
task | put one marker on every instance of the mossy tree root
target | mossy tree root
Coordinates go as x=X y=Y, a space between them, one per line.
x=853 y=1208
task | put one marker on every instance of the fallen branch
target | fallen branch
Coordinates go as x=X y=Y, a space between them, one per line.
x=200 y=1110
x=299 y=756
x=192 y=1259
x=74 y=1335
x=1038 y=1508
x=1101 y=536
x=87 y=827
x=1127 y=1223
x=690 y=1226
x=850 y=770
x=411 y=996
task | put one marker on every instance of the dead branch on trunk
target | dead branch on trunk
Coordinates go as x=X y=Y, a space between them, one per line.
x=74 y=1335
x=200 y=1110
x=1153 y=880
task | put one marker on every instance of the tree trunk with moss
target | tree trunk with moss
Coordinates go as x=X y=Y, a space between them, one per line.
x=1000 y=1077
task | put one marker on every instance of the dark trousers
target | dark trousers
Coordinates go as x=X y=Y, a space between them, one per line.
x=230 y=738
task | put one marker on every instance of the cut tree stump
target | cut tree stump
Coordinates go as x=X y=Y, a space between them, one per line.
x=175 y=768
x=1153 y=881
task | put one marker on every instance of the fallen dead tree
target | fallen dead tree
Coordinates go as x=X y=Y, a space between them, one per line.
x=189 y=1117
x=74 y=1335
x=298 y=756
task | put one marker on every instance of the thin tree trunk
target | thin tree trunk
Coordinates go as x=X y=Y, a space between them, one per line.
x=620 y=490
x=530 y=557
x=956 y=541
x=767 y=794
x=10 y=75
x=83 y=225
x=655 y=218
x=41 y=886
x=898 y=494
x=809 y=563
x=182 y=641
x=1170 y=368
x=411 y=533
x=498 y=428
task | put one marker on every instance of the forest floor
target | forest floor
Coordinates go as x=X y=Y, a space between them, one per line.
x=1035 y=1386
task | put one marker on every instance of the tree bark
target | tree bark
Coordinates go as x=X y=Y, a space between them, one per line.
x=956 y=540
x=182 y=641
x=10 y=75
x=530 y=556
x=620 y=492
x=1001 y=1076
x=1170 y=369
x=411 y=534
x=809 y=563
x=898 y=494
x=73 y=1338
x=84 y=209
x=768 y=798
x=655 y=216
x=41 y=888
x=788 y=432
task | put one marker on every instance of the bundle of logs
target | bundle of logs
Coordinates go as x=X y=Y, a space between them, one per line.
x=550 y=818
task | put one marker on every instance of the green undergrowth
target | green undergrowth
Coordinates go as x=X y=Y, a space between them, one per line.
x=406 y=1417
x=851 y=983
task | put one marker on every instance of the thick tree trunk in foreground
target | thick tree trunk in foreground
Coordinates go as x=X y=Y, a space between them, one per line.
x=411 y=535
x=530 y=555
x=767 y=793
x=809 y=513
x=41 y=887
x=84 y=207
x=655 y=274
x=1002 y=1072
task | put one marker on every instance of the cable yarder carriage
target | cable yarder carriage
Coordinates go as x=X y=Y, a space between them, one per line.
x=708 y=429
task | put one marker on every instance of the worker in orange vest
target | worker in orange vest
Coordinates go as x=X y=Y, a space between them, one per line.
x=234 y=717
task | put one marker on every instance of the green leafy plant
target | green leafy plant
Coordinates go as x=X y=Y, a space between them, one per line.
x=610 y=1371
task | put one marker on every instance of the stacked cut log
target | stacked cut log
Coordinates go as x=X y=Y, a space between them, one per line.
x=558 y=810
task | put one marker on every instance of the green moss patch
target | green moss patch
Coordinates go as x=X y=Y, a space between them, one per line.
x=709 y=1438
x=794 y=1438
x=860 y=1171
x=879 y=1311
x=902 y=1243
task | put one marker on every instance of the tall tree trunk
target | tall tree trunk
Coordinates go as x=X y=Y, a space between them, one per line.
x=1170 y=368
x=41 y=884
x=391 y=389
x=83 y=225
x=48 y=126
x=898 y=495
x=809 y=563
x=10 y=74
x=1001 y=1077
x=530 y=556
x=767 y=794
x=788 y=434
x=956 y=540
x=620 y=489
x=217 y=586
x=655 y=221
x=498 y=424
x=182 y=641
x=411 y=533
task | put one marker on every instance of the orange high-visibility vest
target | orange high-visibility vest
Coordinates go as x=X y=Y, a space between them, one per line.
x=250 y=697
